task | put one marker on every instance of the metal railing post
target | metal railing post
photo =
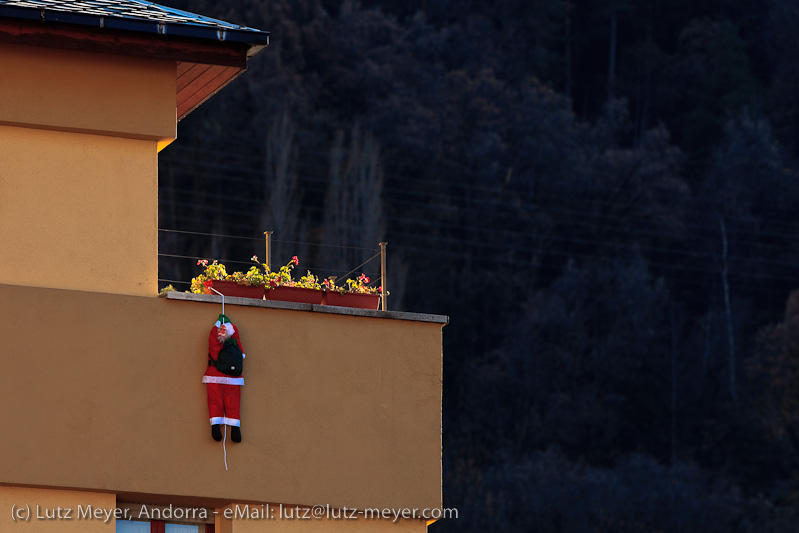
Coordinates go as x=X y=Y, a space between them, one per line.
x=268 y=257
x=384 y=296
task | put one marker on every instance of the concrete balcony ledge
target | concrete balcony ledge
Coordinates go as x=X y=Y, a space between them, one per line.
x=293 y=306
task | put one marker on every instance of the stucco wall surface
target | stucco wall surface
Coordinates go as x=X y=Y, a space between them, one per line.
x=38 y=510
x=88 y=92
x=336 y=410
x=78 y=211
x=303 y=521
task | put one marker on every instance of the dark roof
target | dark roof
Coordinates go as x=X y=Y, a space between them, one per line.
x=131 y=15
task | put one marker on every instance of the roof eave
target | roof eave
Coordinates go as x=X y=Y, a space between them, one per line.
x=202 y=67
x=255 y=38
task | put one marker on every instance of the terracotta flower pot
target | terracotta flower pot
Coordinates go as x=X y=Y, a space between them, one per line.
x=294 y=294
x=352 y=299
x=231 y=288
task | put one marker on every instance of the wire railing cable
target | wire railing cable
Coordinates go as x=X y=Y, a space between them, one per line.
x=261 y=239
x=208 y=234
x=359 y=266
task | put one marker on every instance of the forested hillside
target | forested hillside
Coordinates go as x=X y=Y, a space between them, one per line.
x=602 y=195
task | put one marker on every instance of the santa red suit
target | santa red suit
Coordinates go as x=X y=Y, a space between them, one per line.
x=224 y=392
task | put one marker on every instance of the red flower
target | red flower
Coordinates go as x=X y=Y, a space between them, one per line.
x=295 y=260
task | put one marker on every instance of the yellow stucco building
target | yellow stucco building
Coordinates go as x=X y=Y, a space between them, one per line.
x=106 y=425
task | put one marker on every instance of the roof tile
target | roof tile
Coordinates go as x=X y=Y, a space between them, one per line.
x=137 y=10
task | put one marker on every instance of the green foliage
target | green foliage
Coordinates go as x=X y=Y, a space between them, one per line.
x=255 y=277
x=283 y=277
x=217 y=271
x=168 y=288
x=264 y=276
x=776 y=372
x=359 y=285
x=213 y=271
x=573 y=240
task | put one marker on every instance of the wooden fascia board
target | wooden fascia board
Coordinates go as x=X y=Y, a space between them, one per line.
x=123 y=43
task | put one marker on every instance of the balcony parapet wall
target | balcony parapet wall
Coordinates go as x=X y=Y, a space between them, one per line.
x=340 y=407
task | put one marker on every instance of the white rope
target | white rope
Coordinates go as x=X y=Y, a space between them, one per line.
x=223 y=445
x=224 y=449
x=223 y=298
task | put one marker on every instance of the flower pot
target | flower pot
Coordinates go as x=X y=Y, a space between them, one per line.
x=231 y=288
x=352 y=299
x=294 y=294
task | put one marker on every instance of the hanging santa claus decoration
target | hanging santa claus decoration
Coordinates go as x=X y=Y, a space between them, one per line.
x=223 y=378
